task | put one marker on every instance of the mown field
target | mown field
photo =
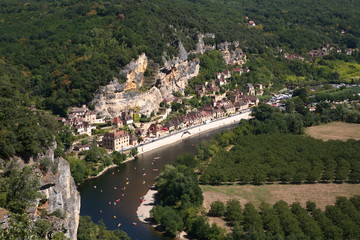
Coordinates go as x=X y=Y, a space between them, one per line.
x=321 y=194
x=335 y=131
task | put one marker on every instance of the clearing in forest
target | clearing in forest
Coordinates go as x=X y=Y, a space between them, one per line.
x=321 y=194
x=335 y=131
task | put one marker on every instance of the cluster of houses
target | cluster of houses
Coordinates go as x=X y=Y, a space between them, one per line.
x=117 y=139
x=235 y=102
x=323 y=51
x=82 y=120
x=220 y=106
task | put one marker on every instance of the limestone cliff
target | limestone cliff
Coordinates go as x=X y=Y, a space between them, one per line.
x=201 y=46
x=60 y=195
x=110 y=102
x=115 y=97
x=112 y=99
x=134 y=73
x=175 y=74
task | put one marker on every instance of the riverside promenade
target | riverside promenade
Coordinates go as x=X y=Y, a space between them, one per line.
x=191 y=131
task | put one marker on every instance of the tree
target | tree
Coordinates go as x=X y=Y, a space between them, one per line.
x=217 y=209
x=301 y=93
x=134 y=152
x=308 y=225
x=90 y=231
x=252 y=220
x=118 y=158
x=19 y=228
x=234 y=212
x=186 y=159
x=200 y=229
x=289 y=223
x=270 y=219
x=21 y=188
x=178 y=186
x=43 y=228
x=263 y=111
x=310 y=206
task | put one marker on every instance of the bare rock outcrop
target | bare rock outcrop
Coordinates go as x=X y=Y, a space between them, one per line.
x=175 y=77
x=201 y=46
x=112 y=99
x=60 y=200
x=110 y=102
x=59 y=190
x=134 y=73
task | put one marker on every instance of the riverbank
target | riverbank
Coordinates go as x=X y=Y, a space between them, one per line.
x=181 y=135
x=143 y=211
x=191 y=131
x=148 y=201
x=109 y=167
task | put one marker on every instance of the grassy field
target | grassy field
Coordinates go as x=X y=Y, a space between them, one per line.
x=321 y=194
x=347 y=70
x=335 y=131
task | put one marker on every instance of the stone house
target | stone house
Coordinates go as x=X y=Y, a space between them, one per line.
x=252 y=100
x=116 y=140
x=241 y=105
x=140 y=132
x=133 y=140
x=84 y=147
x=229 y=108
x=90 y=116
x=250 y=89
x=153 y=131
x=117 y=122
x=83 y=127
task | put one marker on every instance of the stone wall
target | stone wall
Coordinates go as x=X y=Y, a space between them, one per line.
x=192 y=132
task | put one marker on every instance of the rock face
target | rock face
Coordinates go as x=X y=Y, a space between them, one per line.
x=110 y=102
x=201 y=47
x=174 y=76
x=134 y=73
x=61 y=196
x=60 y=199
x=231 y=54
x=112 y=99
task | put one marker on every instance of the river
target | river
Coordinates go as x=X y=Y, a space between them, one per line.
x=99 y=194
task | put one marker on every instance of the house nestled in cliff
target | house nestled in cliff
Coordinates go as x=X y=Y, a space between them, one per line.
x=250 y=89
x=116 y=140
x=153 y=130
x=117 y=122
x=82 y=113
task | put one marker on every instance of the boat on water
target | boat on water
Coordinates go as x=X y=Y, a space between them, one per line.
x=134 y=223
x=155 y=170
x=156 y=158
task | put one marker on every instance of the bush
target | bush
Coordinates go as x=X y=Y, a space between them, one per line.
x=45 y=164
x=217 y=209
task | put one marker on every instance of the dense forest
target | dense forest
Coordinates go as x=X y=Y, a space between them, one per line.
x=66 y=49
x=282 y=221
x=282 y=154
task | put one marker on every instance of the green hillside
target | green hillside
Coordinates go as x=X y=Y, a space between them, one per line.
x=67 y=49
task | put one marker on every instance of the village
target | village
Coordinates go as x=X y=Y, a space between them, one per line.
x=130 y=129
